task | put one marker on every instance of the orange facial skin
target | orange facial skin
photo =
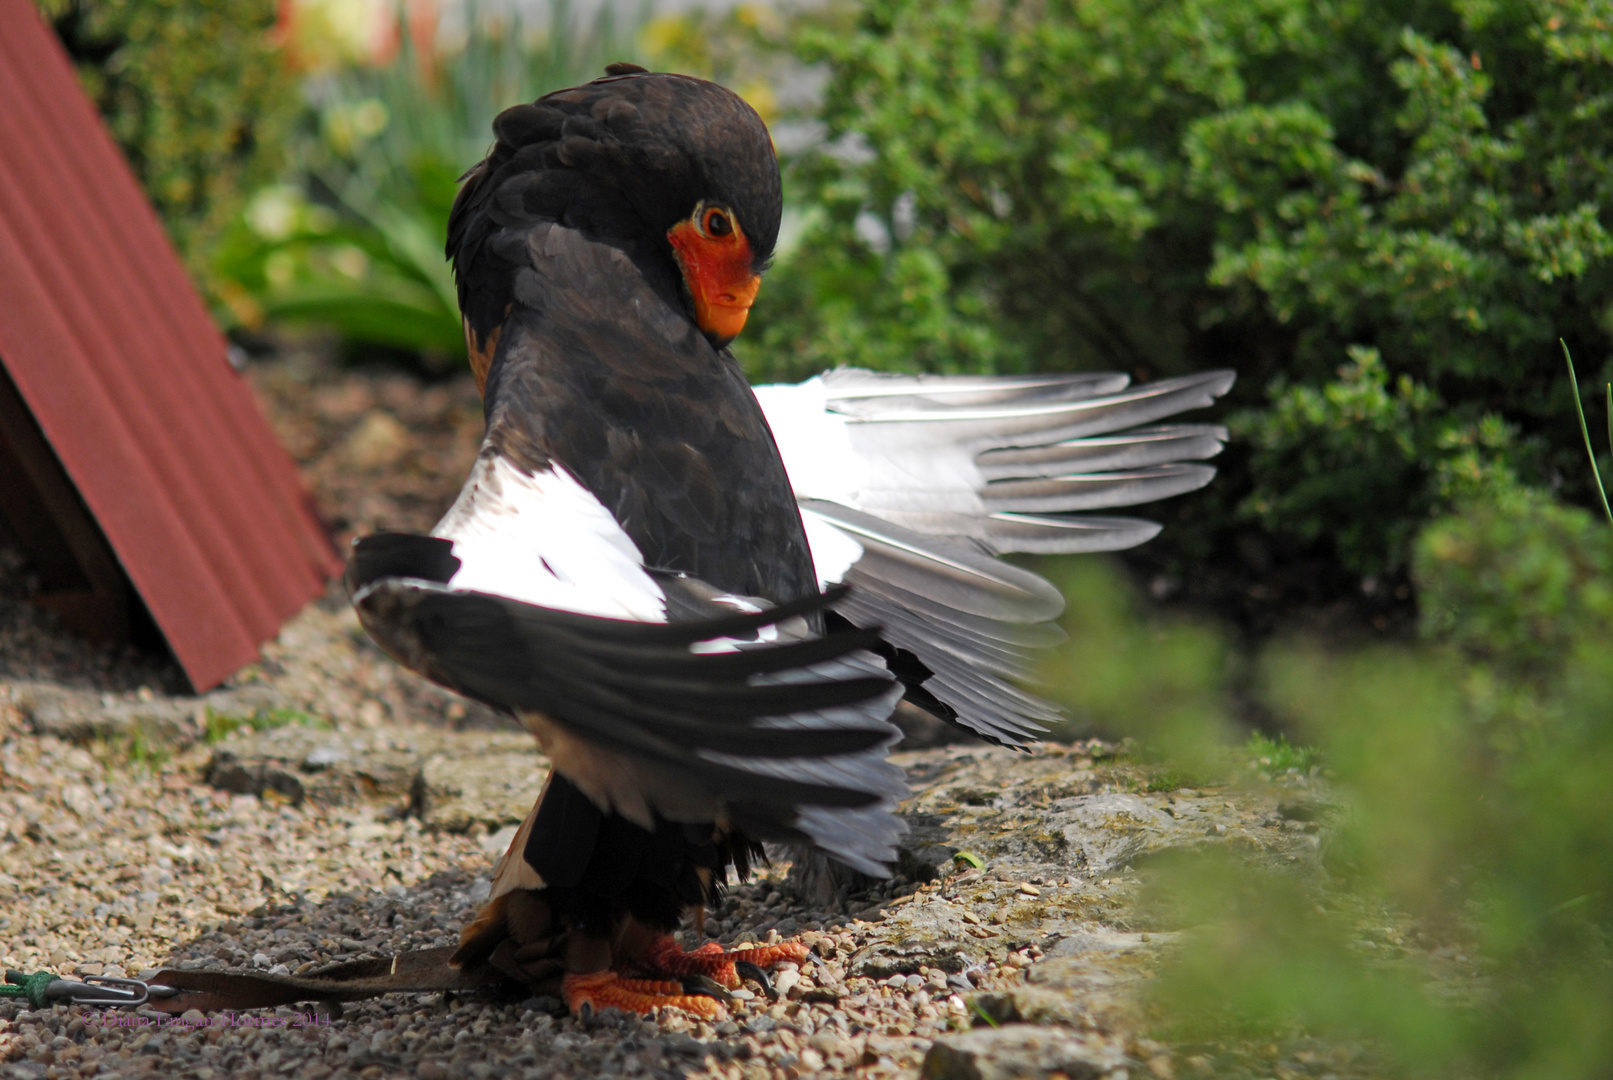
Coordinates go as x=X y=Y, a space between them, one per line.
x=716 y=261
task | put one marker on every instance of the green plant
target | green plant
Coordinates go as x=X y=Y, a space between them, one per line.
x=1278 y=757
x=1461 y=921
x=1590 y=451
x=217 y=726
x=196 y=94
x=136 y=747
x=1272 y=185
x=1518 y=582
x=355 y=241
x=1162 y=680
x=1324 y=458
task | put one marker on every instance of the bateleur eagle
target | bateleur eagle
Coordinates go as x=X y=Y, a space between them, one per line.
x=704 y=600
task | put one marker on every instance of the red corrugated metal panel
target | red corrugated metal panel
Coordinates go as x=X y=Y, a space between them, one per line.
x=120 y=363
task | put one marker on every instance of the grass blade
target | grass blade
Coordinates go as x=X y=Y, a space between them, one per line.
x=1584 y=429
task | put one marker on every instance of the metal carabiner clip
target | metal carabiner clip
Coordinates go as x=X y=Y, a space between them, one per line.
x=100 y=990
x=105 y=991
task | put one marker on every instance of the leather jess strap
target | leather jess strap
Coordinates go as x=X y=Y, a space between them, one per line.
x=420 y=971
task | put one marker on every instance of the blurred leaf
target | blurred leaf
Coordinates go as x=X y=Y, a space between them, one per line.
x=1162 y=681
x=1518 y=581
x=1460 y=921
x=382 y=151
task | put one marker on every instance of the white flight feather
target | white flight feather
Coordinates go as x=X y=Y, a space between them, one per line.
x=813 y=441
x=544 y=539
x=833 y=550
x=873 y=467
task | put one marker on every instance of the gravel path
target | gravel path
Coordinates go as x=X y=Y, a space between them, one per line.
x=326 y=805
x=111 y=865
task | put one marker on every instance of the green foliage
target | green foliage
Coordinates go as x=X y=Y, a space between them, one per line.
x=195 y=93
x=1277 y=757
x=136 y=747
x=219 y=726
x=1464 y=925
x=1163 y=680
x=1325 y=457
x=1272 y=185
x=355 y=243
x=1518 y=582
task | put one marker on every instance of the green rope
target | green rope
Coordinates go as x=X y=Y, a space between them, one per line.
x=31 y=987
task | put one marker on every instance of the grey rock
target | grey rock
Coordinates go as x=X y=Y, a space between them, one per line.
x=1094 y=939
x=495 y=786
x=1019 y=1051
x=80 y=715
x=680 y=1043
x=1107 y=831
x=356 y=766
x=925 y=863
x=321 y=757
x=453 y=779
x=253 y=777
x=925 y=854
x=927 y=933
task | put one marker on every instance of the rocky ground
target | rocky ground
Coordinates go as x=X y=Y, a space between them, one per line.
x=325 y=805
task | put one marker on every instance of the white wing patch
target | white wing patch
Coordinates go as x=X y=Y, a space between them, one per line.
x=544 y=539
x=813 y=441
x=833 y=550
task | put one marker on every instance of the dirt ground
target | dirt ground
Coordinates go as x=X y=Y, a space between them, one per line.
x=325 y=805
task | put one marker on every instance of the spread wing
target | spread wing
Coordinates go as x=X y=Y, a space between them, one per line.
x=909 y=484
x=653 y=693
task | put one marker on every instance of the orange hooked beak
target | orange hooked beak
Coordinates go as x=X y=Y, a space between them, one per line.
x=716 y=261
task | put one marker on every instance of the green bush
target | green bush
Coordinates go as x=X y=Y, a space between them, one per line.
x=195 y=93
x=1519 y=582
x=1461 y=922
x=1273 y=185
x=1364 y=465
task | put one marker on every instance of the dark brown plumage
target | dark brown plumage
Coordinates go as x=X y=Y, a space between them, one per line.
x=628 y=570
x=605 y=385
x=621 y=160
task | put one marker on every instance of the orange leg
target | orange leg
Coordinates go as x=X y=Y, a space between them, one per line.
x=664 y=957
x=586 y=994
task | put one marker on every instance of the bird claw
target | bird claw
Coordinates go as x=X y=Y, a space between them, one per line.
x=728 y=969
x=708 y=987
x=748 y=970
x=586 y=995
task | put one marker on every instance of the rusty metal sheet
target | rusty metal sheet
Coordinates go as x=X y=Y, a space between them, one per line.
x=120 y=364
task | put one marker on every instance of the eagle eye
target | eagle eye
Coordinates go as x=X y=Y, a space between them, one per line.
x=716 y=224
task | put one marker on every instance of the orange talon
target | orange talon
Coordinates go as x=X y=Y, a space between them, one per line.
x=664 y=957
x=765 y=956
x=607 y=990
